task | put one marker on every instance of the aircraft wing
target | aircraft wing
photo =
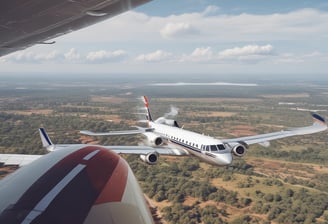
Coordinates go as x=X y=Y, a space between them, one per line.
x=17 y=159
x=26 y=23
x=144 y=150
x=318 y=126
x=126 y=132
x=22 y=160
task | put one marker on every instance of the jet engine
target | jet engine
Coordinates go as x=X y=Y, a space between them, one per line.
x=154 y=140
x=239 y=150
x=151 y=158
x=168 y=122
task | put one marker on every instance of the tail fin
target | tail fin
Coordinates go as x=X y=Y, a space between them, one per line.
x=149 y=118
x=319 y=119
x=46 y=142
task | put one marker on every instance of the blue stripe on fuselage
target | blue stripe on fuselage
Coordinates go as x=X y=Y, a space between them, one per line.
x=185 y=145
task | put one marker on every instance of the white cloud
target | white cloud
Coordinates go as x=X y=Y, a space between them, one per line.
x=156 y=56
x=106 y=56
x=30 y=57
x=72 y=55
x=176 y=30
x=202 y=52
x=247 y=51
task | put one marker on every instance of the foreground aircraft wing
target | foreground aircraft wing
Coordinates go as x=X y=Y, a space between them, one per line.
x=126 y=132
x=26 y=23
x=318 y=125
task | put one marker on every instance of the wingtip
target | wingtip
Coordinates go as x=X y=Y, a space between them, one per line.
x=318 y=117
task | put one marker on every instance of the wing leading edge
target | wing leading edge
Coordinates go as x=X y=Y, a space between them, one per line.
x=126 y=132
x=318 y=125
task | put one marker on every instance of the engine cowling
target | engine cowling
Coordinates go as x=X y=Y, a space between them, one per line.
x=239 y=150
x=168 y=122
x=150 y=158
x=154 y=140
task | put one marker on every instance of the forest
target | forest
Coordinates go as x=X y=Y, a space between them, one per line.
x=286 y=182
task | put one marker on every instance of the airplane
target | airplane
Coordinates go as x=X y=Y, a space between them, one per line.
x=74 y=183
x=26 y=23
x=166 y=132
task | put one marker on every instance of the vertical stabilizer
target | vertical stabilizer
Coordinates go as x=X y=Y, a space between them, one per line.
x=149 y=118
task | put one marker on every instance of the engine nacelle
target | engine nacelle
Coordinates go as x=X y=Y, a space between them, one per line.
x=168 y=122
x=154 y=140
x=239 y=150
x=150 y=158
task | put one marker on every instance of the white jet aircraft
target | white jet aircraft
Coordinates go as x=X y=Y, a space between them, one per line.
x=178 y=141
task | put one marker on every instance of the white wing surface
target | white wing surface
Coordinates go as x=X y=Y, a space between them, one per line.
x=318 y=126
x=17 y=159
x=126 y=132
x=143 y=150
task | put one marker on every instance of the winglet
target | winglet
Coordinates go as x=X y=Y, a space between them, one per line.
x=318 y=118
x=46 y=141
x=149 y=118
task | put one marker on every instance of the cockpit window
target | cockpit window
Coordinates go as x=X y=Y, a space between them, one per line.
x=214 y=148
x=221 y=147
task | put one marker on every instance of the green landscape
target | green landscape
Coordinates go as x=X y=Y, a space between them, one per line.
x=286 y=182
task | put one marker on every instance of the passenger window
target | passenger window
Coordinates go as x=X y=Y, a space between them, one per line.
x=213 y=148
x=221 y=147
x=207 y=148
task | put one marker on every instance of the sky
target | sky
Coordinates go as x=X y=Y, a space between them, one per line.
x=191 y=37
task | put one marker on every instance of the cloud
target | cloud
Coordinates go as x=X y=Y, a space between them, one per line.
x=156 y=56
x=202 y=52
x=177 y=30
x=106 y=56
x=246 y=53
x=30 y=57
x=199 y=54
x=248 y=50
x=72 y=55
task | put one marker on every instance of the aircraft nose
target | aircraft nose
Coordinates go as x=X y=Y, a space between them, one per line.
x=225 y=159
